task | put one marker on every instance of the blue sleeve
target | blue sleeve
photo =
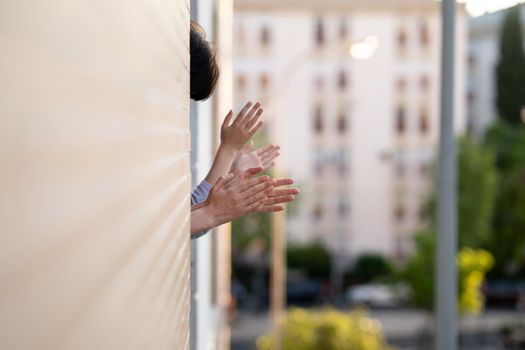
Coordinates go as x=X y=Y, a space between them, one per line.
x=200 y=193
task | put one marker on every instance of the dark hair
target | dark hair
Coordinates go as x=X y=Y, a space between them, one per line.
x=204 y=71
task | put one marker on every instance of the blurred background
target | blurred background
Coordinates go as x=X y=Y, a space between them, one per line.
x=351 y=93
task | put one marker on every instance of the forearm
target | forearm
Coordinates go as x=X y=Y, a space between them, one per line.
x=201 y=220
x=221 y=164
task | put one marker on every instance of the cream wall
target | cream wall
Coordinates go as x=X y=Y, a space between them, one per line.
x=94 y=147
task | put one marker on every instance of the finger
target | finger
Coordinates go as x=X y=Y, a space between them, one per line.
x=268 y=165
x=264 y=149
x=278 y=200
x=256 y=128
x=283 y=182
x=257 y=188
x=245 y=184
x=227 y=119
x=219 y=184
x=268 y=157
x=251 y=113
x=251 y=122
x=285 y=192
x=255 y=201
x=250 y=172
x=243 y=111
x=270 y=208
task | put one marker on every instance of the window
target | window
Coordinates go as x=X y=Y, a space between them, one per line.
x=401 y=85
x=240 y=34
x=424 y=169
x=343 y=30
x=240 y=83
x=341 y=123
x=401 y=120
x=401 y=169
x=423 y=122
x=424 y=34
x=424 y=83
x=318 y=120
x=402 y=39
x=319 y=160
x=319 y=83
x=317 y=212
x=264 y=82
x=342 y=80
x=399 y=212
x=342 y=161
x=319 y=33
x=265 y=36
x=342 y=207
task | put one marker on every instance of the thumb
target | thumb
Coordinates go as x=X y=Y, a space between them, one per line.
x=219 y=184
x=227 y=119
x=251 y=171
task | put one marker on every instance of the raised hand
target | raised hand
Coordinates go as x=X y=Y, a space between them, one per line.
x=263 y=157
x=246 y=124
x=235 y=195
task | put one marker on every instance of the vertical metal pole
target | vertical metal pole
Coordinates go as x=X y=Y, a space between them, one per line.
x=446 y=248
x=278 y=241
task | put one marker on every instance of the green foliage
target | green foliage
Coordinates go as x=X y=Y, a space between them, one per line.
x=510 y=71
x=368 y=267
x=508 y=245
x=477 y=185
x=419 y=274
x=507 y=143
x=476 y=193
x=329 y=330
x=473 y=265
x=314 y=259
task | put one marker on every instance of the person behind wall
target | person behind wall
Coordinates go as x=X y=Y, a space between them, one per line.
x=238 y=188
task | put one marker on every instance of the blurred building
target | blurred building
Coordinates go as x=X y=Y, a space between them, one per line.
x=351 y=90
x=484 y=34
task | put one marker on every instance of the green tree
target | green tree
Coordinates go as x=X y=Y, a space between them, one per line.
x=510 y=71
x=368 y=267
x=314 y=259
x=472 y=265
x=476 y=193
x=507 y=142
x=508 y=246
x=477 y=184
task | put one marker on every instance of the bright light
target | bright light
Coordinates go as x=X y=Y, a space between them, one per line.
x=479 y=7
x=365 y=49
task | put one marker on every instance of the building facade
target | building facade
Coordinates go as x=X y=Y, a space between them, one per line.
x=351 y=90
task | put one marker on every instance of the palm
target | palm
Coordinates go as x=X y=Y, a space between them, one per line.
x=263 y=157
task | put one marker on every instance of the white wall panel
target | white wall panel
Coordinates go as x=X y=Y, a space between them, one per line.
x=94 y=180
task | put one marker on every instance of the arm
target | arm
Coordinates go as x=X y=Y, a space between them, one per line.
x=233 y=137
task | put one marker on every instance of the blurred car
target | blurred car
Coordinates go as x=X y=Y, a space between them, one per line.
x=505 y=293
x=377 y=295
x=303 y=293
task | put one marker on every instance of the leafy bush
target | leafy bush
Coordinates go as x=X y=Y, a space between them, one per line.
x=329 y=330
x=368 y=267
x=473 y=265
x=314 y=259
